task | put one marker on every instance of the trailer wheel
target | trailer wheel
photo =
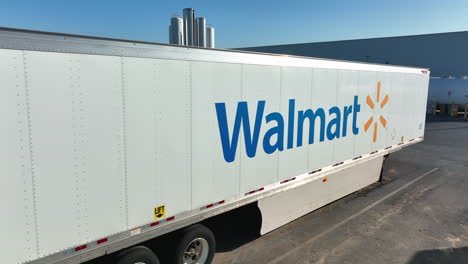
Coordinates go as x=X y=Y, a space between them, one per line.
x=137 y=255
x=196 y=245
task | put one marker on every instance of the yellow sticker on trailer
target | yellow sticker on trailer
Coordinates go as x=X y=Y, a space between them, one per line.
x=159 y=212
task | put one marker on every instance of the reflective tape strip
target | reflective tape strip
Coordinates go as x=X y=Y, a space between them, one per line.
x=315 y=171
x=212 y=205
x=338 y=164
x=254 y=191
x=100 y=241
x=288 y=180
x=81 y=247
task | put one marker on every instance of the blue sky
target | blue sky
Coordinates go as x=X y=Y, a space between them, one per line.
x=241 y=23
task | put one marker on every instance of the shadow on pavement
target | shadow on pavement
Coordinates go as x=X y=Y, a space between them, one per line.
x=236 y=228
x=449 y=255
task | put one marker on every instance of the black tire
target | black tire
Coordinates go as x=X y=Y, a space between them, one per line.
x=138 y=254
x=187 y=236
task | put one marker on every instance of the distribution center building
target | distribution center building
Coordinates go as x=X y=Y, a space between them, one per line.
x=444 y=53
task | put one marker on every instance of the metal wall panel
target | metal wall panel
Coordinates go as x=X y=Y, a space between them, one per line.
x=324 y=95
x=213 y=179
x=259 y=83
x=410 y=112
x=173 y=135
x=440 y=52
x=423 y=99
x=343 y=148
x=140 y=83
x=16 y=198
x=77 y=139
x=416 y=97
x=367 y=87
x=296 y=83
x=370 y=82
x=395 y=103
x=405 y=116
x=50 y=95
x=98 y=99
x=388 y=109
x=381 y=113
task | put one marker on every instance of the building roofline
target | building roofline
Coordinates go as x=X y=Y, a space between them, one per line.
x=359 y=39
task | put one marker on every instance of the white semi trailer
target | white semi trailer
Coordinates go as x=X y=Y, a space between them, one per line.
x=109 y=143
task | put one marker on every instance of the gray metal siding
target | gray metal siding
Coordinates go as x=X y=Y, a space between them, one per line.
x=445 y=53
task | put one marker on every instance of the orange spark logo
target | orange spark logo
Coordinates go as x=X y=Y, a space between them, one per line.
x=371 y=104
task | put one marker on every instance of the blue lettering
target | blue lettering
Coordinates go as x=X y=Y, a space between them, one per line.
x=357 y=109
x=291 y=123
x=277 y=130
x=274 y=138
x=347 y=111
x=334 y=122
x=242 y=117
x=309 y=114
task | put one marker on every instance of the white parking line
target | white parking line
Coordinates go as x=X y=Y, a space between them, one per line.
x=332 y=228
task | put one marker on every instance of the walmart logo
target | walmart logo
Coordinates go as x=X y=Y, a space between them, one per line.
x=332 y=123
x=281 y=135
x=371 y=104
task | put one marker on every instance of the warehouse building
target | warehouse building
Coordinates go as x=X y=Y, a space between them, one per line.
x=444 y=53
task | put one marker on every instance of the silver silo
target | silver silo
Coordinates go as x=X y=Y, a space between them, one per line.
x=176 y=31
x=201 y=25
x=210 y=37
x=195 y=33
x=189 y=19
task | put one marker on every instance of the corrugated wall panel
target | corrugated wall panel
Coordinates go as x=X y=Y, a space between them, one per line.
x=296 y=84
x=51 y=97
x=343 y=148
x=387 y=108
x=16 y=191
x=140 y=81
x=213 y=178
x=259 y=83
x=173 y=135
x=98 y=101
x=324 y=95
x=367 y=87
